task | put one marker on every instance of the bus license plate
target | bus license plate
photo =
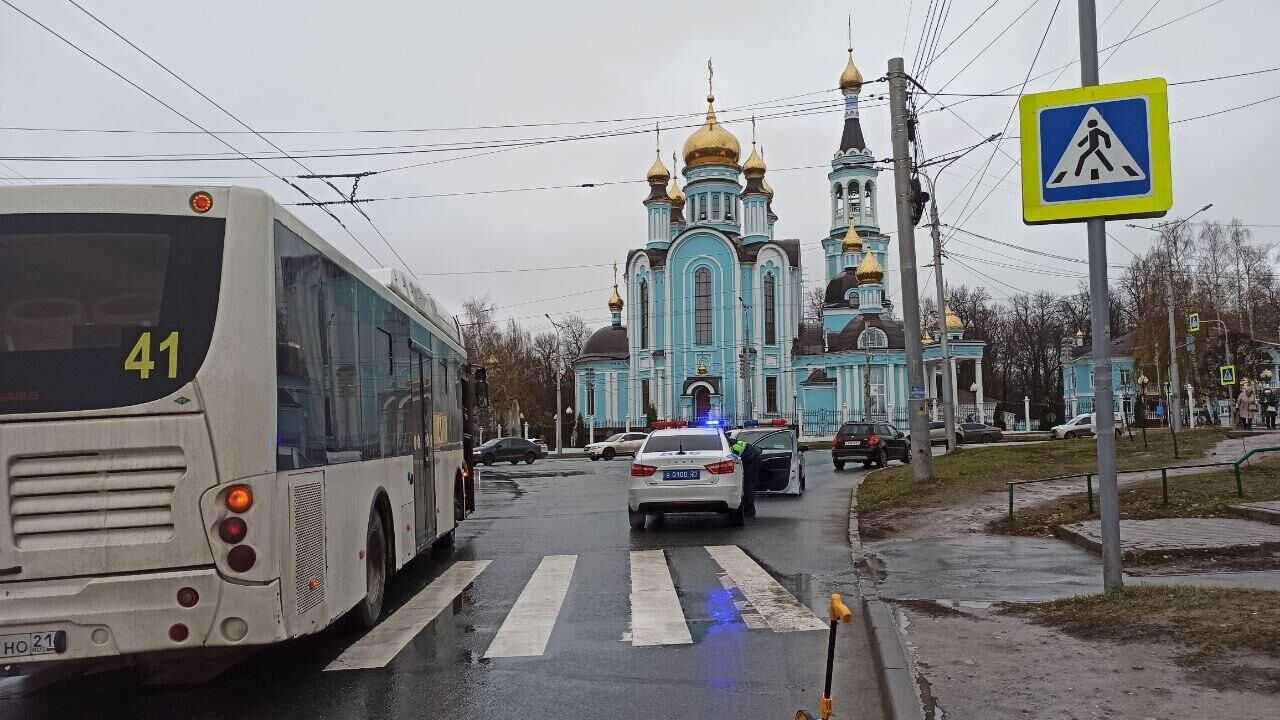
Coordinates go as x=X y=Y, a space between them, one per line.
x=681 y=474
x=48 y=642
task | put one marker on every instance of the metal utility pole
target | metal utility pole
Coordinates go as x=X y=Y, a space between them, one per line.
x=948 y=402
x=1104 y=418
x=559 y=372
x=1175 y=402
x=922 y=452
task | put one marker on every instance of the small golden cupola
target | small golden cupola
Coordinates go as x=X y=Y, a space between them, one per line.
x=615 y=300
x=754 y=166
x=851 y=79
x=711 y=144
x=658 y=174
x=674 y=193
x=851 y=243
x=869 y=271
x=953 y=321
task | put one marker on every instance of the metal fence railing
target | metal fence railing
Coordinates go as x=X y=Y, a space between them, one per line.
x=1164 y=478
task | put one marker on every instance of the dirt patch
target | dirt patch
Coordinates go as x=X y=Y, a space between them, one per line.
x=1225 y=638
x=933 y=609
x=1008 y=668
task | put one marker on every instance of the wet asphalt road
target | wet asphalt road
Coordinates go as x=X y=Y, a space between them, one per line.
x=589 y=667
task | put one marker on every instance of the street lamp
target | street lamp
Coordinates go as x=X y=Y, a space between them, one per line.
x=1175 y=405
x=559 y=374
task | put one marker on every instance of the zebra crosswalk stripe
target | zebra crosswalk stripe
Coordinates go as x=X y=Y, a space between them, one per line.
x=380 y=645
x=528 y=626
x=656 y=616
x=779 y=608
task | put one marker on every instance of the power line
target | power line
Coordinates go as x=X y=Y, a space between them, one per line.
x=246 y=126
x=174 y=110
x=1226 y=110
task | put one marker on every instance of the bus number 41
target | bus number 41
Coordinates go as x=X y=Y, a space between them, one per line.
x=139 y=359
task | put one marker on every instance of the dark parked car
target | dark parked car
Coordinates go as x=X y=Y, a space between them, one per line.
x=870 y=442
x=513 y=449
x=976 y=432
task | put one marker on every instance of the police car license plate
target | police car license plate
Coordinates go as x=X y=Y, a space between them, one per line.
x=45 y=642
x=681 y=474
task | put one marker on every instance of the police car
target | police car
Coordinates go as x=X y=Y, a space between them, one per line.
x=685 y=470
x=782 y=464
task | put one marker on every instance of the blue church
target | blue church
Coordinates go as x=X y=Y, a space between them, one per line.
x=712 y=324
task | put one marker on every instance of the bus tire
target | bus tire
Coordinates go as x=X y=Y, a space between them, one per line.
x=369 y=610
x=445 y=542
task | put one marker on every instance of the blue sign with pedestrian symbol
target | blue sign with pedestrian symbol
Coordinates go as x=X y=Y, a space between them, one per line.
x=1096 y=152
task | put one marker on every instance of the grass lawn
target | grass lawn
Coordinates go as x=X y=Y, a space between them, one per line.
x=1230 y=637
x=969 y=472
x=1206 y=495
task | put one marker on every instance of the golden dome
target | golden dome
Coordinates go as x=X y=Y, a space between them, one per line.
x=711 y=143
x=615 y=301
x=1080 y=333
x=768 y=189
x=851 y=243
x=953 y=321
x=658 y=172
x=851 y=78
x=869 y=271
x=675 y=194
x=754 y=166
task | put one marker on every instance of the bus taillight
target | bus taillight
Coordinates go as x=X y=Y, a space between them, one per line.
x=239 y=498
x=241 y=558
x=188 y=597
x=232 y=530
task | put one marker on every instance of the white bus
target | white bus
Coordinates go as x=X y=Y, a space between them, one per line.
x=215 y=429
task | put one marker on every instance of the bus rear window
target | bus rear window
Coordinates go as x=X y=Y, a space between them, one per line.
x=104 y=310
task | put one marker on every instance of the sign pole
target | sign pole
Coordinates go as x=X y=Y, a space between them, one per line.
x=1108 y=499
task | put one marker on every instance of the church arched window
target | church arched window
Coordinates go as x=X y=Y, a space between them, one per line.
x=715 y=206
x=770 y=310
x=644 y=314
x=855 y=201
x=874 y=338
x=869 y=202
x=702 y=206
x=702 y=306
x=729 y=203
x=837 y=199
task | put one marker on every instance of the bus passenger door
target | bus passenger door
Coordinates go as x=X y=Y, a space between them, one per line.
x=424 y=487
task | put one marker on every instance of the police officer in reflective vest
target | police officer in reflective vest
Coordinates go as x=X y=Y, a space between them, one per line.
x=750 y=455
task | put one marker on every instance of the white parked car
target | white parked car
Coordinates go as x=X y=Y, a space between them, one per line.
x=1080 y=426
x=685 y=470
x=620 y=444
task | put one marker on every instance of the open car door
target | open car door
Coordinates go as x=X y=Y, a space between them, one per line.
x=778 y=461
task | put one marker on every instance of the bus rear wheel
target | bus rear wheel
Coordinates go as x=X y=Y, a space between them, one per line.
x=369 y=610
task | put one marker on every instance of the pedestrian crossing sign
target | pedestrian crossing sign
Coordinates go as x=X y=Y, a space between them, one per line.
x=1096 y=152
x=1227 y=375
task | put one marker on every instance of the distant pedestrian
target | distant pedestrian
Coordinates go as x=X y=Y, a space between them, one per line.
x=1245 y=405
x=1269 y=409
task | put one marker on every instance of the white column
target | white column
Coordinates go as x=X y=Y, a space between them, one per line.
x=977 y=369
x=955 y=383
x=1026 y=410
x=1191 y=403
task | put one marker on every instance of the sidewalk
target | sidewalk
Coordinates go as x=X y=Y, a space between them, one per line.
x=947 y=578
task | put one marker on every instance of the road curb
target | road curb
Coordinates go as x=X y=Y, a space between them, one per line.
x=897 y=676
x=899 y=692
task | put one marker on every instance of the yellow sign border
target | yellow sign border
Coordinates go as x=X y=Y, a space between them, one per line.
x=1159 y=202
x=1222 y=375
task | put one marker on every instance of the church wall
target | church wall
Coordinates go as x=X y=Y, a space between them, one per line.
x=689 y=254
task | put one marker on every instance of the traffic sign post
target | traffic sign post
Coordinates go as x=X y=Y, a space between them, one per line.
x=1193 y=322
x=1096 y=152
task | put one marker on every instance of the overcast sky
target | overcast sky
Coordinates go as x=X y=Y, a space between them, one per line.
x=383 y=64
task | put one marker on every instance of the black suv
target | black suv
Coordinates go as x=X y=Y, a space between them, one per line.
x=513 y=449
x=870 y=442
